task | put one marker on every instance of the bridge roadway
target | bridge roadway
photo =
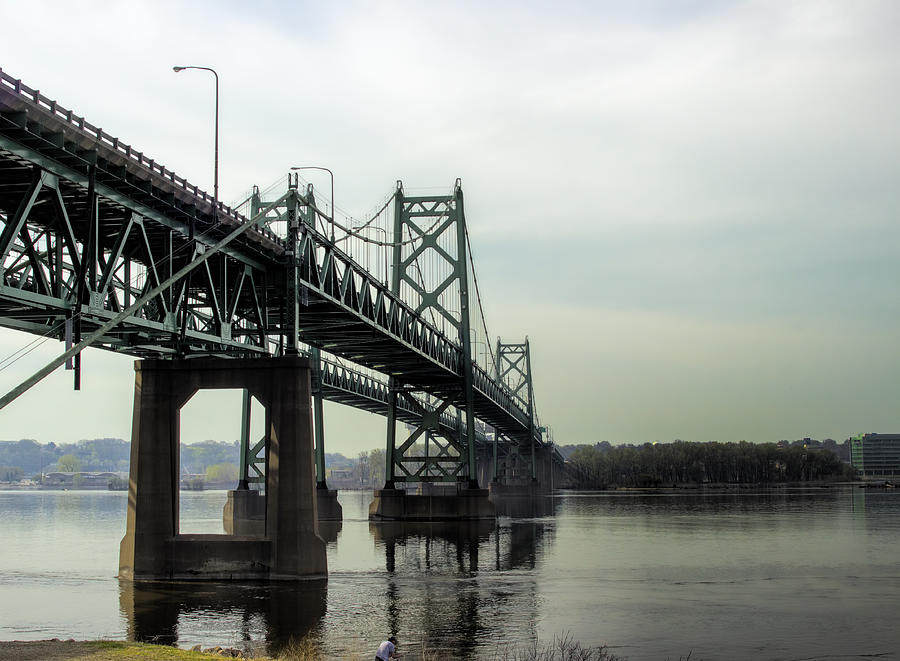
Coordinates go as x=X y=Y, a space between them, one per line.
x=90 y=224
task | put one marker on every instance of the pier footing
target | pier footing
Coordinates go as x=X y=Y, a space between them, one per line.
x=245 y=513
x=520 y=490
x=329 y=508
x=462 y=505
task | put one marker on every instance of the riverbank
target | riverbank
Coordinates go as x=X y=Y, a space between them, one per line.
x=562 y=648
x=101 y=650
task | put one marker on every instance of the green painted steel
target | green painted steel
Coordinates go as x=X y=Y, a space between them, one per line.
x=429 y=233
x=94 y=233
x=513 y=368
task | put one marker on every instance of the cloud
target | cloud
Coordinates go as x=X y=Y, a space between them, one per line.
x=689 y=206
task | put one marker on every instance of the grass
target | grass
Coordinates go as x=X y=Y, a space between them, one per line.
x=95 y=650
x=562 y=648
x=121 y=651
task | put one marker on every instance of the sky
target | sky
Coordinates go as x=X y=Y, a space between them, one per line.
x=691 y=209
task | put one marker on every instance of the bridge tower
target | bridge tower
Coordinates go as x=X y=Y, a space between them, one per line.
x=430 y=272
x=513 y=369
x=292 y=209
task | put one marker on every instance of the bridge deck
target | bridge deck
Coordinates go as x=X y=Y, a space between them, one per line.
x=60 y=258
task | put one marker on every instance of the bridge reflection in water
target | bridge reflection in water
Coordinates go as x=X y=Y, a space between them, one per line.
x=449 y=585
x=275 y=612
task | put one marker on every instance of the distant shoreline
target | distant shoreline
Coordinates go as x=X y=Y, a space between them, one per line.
x=869 y=483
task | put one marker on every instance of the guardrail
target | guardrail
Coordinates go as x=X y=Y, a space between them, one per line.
x=34 y=97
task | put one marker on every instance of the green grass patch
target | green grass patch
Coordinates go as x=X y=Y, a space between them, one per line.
x=114 y=650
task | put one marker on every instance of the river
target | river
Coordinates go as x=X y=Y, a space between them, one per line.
x=749 y=574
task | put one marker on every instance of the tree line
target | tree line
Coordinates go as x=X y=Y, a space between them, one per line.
x=27 y=457
x=215 y=461
x=32 y=458
x=688 y=463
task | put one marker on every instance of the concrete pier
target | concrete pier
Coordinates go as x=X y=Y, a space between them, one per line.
x=245 y=513
x=329 y=508
x=462 y=504
x=285 y=545
x=514 y=471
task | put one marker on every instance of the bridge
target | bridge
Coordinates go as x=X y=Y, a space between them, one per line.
x=102 y=246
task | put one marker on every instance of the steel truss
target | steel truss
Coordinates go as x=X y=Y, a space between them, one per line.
x=513 y=369
x=90 y=225
x=430 y=233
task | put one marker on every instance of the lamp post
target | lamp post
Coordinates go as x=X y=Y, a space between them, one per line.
x=216 y=179
x=331 y=175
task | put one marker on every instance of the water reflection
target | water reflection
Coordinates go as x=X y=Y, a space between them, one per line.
x=462 y=586
x=428 y=545
x=448 y=607
x=189 y=613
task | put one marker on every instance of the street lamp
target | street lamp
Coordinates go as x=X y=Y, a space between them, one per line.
x=216 y=180
x=330 y=174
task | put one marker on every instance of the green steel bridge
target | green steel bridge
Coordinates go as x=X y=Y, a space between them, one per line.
x=103 y=246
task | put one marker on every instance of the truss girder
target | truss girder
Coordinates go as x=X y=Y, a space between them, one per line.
x=88 y=223
x=345 y=385
x=92 y=265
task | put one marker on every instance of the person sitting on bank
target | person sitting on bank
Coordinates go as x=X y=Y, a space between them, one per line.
x=387 y=650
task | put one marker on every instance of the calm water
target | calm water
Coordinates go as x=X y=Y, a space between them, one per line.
x=808 y=574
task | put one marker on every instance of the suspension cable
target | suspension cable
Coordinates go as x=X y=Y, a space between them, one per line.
x=487 y=335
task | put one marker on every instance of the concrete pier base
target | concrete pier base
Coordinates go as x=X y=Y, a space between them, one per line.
x=287 y=545
x=329 y=508
x=527 y=489
x=245 y=513
x=463 y=505
x=522 y=500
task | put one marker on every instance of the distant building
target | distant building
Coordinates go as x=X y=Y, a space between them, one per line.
x=876 y=454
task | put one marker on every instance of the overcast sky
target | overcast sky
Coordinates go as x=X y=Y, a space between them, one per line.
x=690 y=208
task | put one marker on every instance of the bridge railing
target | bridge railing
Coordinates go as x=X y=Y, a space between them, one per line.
x=33 y=96
x=351 y=276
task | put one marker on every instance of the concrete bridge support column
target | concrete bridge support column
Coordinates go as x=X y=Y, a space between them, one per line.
x=516 y=469
x=328 y=506
x=289 y=547
x=486 y=467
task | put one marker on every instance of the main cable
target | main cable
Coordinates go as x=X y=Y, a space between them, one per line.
x=487 y=335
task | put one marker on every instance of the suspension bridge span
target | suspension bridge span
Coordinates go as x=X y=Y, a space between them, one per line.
x=103 y=246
